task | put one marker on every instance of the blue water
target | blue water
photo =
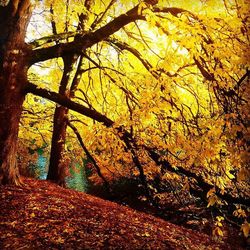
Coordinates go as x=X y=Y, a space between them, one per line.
x=76 y=180
x=42 y=169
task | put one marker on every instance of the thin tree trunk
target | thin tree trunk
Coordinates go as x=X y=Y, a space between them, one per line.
x=57 y=168
x=13 y=72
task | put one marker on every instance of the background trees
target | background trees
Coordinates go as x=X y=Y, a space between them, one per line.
x=162 y=91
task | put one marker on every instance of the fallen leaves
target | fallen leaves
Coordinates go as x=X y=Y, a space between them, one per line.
x=45 y=216
x=32 y=215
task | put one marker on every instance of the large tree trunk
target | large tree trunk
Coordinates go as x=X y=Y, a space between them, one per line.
x=13 y=72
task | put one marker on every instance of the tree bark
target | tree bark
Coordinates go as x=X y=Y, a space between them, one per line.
x=57 y=167
x=13 y=72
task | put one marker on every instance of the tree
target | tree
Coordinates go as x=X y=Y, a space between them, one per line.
x=15 y=17
x=13 y=79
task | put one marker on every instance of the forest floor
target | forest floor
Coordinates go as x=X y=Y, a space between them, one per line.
x=41 y=215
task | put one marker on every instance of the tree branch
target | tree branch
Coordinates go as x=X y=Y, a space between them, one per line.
x=65 y=101
x=98 y=170
x=204 y=186
x=131 y=144
x=52 y=38
x=136 y=53
x=81 y=43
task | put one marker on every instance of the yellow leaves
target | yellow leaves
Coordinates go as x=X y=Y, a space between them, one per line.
x=239 y=212
x=186 y=186
x=218 y=226
x=125 y=2
x=189 y=43
x=32 y=215
x=210 y=192
x=219 y=219
x=141 y=7
x=229 y=175
x=220 y=181
x=210 y=152
x=212 y=198
x=245 y=227
x=243 y=174
x=218 y=232
x=151 y=18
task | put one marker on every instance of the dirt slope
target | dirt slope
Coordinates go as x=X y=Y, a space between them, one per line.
x=41 y=215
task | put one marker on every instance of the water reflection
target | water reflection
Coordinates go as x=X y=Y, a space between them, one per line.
x=77 y=178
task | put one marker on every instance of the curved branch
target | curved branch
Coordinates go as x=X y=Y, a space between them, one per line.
x=65 y=101
x=81 y=43
x=130 y=143
x=98 y=170
x=136 y=53
x=35 y=44
x=204 y=186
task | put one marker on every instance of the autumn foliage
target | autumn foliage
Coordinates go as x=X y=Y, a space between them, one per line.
x=156 y=92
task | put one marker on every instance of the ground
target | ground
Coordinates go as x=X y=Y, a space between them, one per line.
x=41 y=215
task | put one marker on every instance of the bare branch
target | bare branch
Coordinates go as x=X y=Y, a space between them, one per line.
x=81 y=43
x=88 y=154
x=65 y=101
